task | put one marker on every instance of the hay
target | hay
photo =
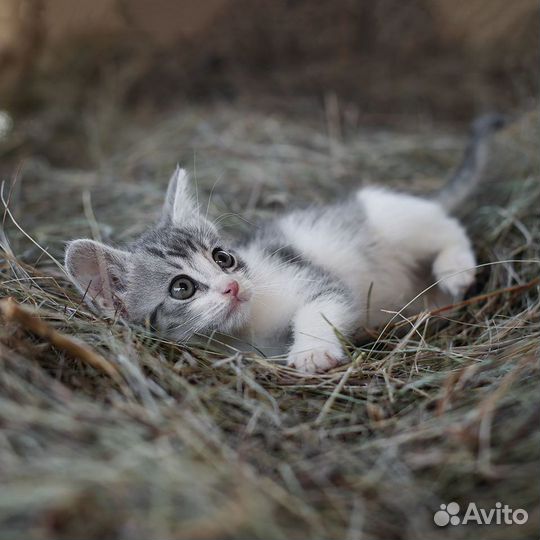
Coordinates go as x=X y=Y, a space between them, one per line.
x=203 y=442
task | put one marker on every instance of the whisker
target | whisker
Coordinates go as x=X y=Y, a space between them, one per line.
x=211 y=194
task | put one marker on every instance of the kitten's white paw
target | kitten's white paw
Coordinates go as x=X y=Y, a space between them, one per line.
x=456 y=269
x=315 y=360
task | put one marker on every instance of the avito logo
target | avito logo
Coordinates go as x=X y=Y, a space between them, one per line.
x=500 y=515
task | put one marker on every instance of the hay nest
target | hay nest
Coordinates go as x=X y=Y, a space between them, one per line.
x=107 y=431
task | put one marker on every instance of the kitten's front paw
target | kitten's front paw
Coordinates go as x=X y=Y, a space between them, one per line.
x=456 y=271
x=315 y=360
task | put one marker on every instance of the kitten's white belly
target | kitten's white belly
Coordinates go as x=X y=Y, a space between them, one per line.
x=379 y=277
x=380 y=289
x=381 y=268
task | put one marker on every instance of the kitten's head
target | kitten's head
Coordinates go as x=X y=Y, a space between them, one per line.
x=180 y=276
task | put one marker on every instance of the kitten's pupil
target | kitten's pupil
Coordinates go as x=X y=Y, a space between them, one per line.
x=222 y=258
x=182 y=288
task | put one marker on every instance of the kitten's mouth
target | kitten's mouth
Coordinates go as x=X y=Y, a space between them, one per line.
x=235 y=304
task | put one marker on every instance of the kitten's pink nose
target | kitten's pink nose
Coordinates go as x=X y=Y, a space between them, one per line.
x=232 y=288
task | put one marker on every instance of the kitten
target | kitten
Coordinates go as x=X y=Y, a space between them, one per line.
x=300 y=277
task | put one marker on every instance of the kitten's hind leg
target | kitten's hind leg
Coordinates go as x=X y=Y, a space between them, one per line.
x=417 y=229
x=454 y=268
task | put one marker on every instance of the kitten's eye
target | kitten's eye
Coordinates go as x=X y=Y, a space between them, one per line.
x=222 y=258
x=182 y=288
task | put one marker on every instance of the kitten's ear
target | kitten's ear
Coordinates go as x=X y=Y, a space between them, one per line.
x=179 y=204
x=100 y=273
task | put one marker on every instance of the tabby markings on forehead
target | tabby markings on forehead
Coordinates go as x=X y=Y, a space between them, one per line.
x=178 y=252
x=177 y=238
x=155 y=251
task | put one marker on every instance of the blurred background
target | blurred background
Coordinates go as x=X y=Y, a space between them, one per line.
x=379 y=61
x=430 y=56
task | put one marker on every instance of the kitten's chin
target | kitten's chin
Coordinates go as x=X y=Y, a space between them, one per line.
x=235 y=317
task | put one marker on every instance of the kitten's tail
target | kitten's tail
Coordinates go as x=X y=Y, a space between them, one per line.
x=471 y=169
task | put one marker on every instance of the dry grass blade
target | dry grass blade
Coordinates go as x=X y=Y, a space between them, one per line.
x=13 y=312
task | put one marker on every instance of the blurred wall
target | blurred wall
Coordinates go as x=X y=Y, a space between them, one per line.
x=388 y=55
